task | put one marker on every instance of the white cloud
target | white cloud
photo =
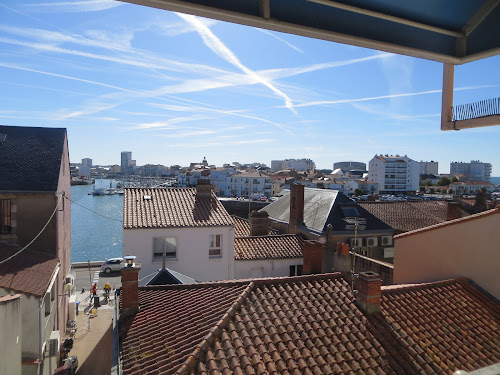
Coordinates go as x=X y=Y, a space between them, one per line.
x=219 y=48
x=168 y=124
x=74 y=6
x=271 y=34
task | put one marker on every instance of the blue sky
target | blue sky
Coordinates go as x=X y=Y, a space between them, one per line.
x=174 y=88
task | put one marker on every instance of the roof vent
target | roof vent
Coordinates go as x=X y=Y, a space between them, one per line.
x=147 y=197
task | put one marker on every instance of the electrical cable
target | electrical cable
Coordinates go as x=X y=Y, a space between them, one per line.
x=38 y=235
x=97 y=213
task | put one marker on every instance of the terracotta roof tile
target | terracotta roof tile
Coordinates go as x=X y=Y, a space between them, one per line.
x=242 y=227
x=171 y=207
x=407 y=216
x=29 y=272
x=268 y=247
x=310 y=325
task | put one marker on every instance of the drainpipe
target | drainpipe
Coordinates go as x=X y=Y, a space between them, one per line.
x=40 y=323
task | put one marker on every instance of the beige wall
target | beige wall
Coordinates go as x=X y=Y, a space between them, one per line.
x=10 y=333
x=63 y=234
x=246 y=269
x=468 y=247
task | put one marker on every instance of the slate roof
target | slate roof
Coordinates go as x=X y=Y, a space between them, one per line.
x=310 y=325
x=323 y=207
x=30 y=158
x=268 y=247
x=406 y=216
x=242 y=227
x=29 y=272
x=171 y=207
x=166 y=276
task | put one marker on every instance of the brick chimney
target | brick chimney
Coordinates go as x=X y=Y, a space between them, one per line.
x=129 y=294
x=313 y=257
x=342 y=248
x=259 y=223
x=296 y=207
x=454 y=211
x=203 y=188
x=368 y=296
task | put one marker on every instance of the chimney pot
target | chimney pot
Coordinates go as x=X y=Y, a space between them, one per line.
x=296 y=207
x=342 y=248
x=368 y=296
x=313 y=257
x=129 y=294
x=454 y=211
x=203 y=188
x=259 y=223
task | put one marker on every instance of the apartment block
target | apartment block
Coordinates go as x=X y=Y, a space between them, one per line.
x=394 y=174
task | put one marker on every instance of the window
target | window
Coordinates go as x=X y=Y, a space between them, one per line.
x=164 y=245
x=296 y=270
x=5 y=216
x=215 y=249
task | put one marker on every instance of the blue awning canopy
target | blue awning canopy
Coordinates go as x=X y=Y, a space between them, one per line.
x=448 y=31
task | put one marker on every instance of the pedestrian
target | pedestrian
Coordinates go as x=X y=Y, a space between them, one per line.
x=94 y=290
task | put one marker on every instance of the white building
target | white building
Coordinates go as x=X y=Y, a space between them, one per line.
x=429 y=167
x=252 y=183
x=295 y=164
x=220 y=178
x=188 y=229
x=394 y=174
x=473 y=171
x=84 y=169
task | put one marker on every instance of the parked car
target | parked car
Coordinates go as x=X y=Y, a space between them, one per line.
x=111 y=265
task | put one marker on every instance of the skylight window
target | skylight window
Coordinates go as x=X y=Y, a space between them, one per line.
x=350 y=211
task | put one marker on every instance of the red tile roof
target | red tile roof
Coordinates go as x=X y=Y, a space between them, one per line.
x=242 y=227
x=29 y=272
x=310 y=325
x=406 y=216
x=172 y=321
x=172 y=207
x=268 y=247
x=440 y=327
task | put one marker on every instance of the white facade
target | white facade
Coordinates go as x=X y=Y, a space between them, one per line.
x=429 y=167
x=473 y=171
x=394 y=174
x=296 y=164
x=250 y=184
x=244 y=269
x=192 y=251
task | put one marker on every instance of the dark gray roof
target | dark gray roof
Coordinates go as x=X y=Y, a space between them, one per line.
x=30 y=158
x=323 y=207
x=166 y=276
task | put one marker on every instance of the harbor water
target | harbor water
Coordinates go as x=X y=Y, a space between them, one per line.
x=96 y=230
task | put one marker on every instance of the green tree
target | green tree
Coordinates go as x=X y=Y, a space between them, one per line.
x=454 y=179
x=358 y=192
x=444 y=181
x=431 y=190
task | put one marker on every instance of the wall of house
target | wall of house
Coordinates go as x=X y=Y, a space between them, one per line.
x=10 y=332
x=63 y=228
x=468 y=247
x=244 y=269
x=192 y=251
x=33 y=211
x=30 y=332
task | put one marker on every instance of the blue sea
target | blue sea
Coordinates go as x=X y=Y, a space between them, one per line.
x=96 y=230
x=495 y=180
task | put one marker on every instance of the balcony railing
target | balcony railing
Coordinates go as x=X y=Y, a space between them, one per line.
x=483 y=108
